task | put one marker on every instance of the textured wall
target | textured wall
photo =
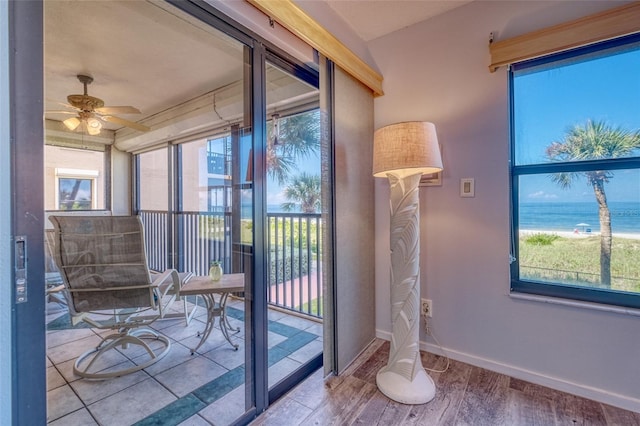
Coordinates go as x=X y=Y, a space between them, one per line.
x=121 y=181
x=437 y=71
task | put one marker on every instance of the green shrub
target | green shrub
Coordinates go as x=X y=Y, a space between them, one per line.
x=285 y=272
x=313 y=307
x=541 y=239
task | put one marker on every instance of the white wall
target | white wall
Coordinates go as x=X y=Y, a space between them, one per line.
x=437 y=71
x=120 y=182
x=322 y=13
x=6 y=301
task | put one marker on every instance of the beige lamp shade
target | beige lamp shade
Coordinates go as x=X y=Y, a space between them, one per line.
x=406 y=148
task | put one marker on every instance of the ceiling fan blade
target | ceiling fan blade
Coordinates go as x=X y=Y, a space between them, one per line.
x=61 y=112
x=117 y=110
x=63 y=104
x=123 y=122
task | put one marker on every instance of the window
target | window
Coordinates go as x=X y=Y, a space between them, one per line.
x=70 y=188
x=76 y=193
x=575 y=155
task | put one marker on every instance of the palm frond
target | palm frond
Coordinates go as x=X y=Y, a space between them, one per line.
x=298 y=138
x=594 y=140
x=304 y=190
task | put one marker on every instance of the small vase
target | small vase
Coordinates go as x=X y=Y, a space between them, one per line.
x=215 y=272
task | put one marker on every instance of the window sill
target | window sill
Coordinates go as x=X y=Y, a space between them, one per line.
x=576 y=304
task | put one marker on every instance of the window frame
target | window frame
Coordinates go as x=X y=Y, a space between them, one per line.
x=78 y=174
x=559 y=290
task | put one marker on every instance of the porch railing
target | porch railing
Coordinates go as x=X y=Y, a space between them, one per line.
x=294 y=252
x=156 y=239
x=294 y=257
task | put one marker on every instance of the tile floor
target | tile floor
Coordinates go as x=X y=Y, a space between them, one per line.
x=180 y=389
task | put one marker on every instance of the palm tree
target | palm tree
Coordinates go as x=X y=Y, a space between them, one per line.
x=304 y=191
x=594 y=141
x=298 y=136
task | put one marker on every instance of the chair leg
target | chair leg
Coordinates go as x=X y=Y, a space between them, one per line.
x=131 y=337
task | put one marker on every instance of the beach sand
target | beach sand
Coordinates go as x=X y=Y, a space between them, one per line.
x=579 y=234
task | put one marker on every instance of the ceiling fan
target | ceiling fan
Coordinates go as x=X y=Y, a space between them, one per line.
x=91 y=112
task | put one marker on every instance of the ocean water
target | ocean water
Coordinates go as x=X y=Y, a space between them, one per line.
x=625 y=216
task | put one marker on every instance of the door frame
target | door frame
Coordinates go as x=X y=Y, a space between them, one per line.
x=26 y=83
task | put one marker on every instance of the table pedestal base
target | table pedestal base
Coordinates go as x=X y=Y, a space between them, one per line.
x=216 y=310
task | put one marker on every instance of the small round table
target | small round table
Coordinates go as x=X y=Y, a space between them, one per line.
x=205 y=287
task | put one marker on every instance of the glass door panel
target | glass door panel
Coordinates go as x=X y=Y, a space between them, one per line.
x=196 y=194
x=197 y=208
x=213 y=226
x=293 y=231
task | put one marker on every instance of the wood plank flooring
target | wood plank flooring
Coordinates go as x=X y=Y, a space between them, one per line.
x=466 y=395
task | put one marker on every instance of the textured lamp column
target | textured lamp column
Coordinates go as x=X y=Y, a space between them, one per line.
x=403 y=152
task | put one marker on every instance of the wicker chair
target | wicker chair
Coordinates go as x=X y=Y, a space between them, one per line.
x=103 y=265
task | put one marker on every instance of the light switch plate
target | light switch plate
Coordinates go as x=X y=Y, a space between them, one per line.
x=467 y=187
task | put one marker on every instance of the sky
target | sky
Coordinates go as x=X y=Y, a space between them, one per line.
x=550 y=101
x=275 y=192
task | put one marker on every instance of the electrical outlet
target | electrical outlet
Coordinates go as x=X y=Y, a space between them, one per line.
x=426 y=308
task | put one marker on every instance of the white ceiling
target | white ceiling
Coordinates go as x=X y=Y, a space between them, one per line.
x=149 y=55
x=138 y=53
x=371 y=19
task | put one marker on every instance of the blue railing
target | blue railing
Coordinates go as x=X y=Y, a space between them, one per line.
x=191 y=240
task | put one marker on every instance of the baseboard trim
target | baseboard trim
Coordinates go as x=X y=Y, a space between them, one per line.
x=600 y=395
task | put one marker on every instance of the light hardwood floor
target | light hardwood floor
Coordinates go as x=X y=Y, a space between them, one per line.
x=466 y=395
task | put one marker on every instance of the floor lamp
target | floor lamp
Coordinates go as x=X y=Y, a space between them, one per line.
x=403 y=152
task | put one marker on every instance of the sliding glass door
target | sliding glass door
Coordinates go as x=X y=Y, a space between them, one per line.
x=293 y=238
x=222 y=163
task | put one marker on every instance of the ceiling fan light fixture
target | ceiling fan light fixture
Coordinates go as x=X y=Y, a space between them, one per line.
x=93 y=126
x=92 y=112
x=94 y=123
x=71 y=123
x=92 y=131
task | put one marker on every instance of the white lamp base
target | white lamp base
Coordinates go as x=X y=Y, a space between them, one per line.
x=419 y=391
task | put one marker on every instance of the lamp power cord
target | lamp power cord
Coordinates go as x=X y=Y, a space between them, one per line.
x=430 y=332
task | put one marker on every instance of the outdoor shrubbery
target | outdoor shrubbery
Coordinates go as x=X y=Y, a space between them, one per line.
x=313 y=307
x=577 y=261
x=284 y=269
x=282 y=231
x=212 y=226
x=541 y=239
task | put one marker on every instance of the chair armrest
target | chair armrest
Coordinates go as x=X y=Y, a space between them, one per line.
x=167 y=282
x=166 y=287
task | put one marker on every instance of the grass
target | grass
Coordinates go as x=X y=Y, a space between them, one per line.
x=572 y=260
x=314 y=307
